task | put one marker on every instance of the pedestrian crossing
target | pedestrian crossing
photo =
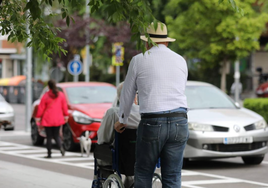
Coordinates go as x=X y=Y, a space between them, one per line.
x=37 y=153
x=190 y=179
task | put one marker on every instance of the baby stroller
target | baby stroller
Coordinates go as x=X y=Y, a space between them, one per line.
x=113 y=160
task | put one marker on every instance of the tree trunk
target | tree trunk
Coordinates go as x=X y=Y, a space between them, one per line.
x=223 y=75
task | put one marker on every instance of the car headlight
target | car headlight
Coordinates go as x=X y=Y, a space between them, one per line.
x=82 y=118
x=199 y=127
x=260 y=124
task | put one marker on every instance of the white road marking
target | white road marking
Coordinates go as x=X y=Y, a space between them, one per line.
x=16 y=150
x=14 y=133
x=220 y=180
x=75 y=159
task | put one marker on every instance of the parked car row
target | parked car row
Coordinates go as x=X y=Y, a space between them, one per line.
x=218 y=127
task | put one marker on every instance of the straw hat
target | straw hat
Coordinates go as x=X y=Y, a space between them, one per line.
x=158 y=35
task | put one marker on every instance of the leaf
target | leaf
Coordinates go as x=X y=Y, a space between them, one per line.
x=50 y=2
x=29 y=44
x=93 y=9
x=73 y=20
x=68 y=20
x=220 y=1
x=233 y=4
x=63 y=15
x=28 y=6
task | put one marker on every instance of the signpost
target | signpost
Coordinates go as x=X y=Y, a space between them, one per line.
x=118 y=58
x=75 y=67
x=29 y=93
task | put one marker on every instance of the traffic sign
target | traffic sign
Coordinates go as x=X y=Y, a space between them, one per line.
x=75 y=67
x=118 y=54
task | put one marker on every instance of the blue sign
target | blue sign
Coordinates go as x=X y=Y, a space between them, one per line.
x=75 y=67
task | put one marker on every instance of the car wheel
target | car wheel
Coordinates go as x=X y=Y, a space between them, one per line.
x=93 y=146
x=253 y=160
x=68 y=141
x=37 y=140
x=185 y=162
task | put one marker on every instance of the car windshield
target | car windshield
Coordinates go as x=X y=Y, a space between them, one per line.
x=91 y=94
x=204 y=97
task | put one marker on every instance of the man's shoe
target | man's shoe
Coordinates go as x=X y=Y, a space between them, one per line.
x=48 y=157
x=62 y=150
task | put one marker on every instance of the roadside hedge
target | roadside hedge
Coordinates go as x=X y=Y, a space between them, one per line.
x=258 y=105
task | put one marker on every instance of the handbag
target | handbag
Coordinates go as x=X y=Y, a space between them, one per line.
x=41 y=129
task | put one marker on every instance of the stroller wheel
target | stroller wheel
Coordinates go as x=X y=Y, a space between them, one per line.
x=113 y=181
x=156 y=181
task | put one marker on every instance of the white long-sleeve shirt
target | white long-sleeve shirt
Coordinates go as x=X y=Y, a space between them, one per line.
x=160 y=76
x=106 y=130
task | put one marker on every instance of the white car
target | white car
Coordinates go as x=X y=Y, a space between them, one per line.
x=7 y=116
x=219 y=128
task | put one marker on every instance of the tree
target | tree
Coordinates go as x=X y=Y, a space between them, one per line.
x=43 y=36
x=102 y=35
x=214 y=34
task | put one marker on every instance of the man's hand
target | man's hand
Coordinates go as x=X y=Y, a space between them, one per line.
x=119 y=127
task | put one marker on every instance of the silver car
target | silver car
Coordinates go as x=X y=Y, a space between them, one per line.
x=7 y=116
x=219 y=128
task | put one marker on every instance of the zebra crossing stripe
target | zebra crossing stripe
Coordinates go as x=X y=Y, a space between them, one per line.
x=75 y=159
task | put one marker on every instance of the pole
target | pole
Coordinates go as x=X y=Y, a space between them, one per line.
x=237 y=82
x=28 y=83
x=87 y=62
x=117 y=75
x=75 y=78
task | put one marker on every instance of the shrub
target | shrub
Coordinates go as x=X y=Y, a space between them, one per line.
x=258 y=105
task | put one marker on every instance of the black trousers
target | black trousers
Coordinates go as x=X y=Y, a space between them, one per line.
x=53 y=132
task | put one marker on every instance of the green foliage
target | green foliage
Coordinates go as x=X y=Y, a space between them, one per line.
x=214 y=32
x=258 y=105
x=234 y=6
x=43 y=36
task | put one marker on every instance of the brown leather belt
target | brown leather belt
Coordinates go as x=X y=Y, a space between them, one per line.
x=146 y=116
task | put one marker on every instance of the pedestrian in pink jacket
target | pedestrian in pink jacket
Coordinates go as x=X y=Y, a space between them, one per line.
x=52 y=113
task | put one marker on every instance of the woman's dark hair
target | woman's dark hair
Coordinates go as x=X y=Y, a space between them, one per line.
x=52 y=85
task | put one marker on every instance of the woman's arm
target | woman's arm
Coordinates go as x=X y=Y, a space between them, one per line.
x=41 y=107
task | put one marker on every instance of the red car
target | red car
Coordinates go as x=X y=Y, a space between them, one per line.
x=87 y=104
x=262 y=90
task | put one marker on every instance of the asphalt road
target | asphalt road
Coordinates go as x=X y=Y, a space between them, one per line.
x=16 y=148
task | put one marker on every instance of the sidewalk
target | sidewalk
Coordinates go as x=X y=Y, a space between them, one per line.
x=14 y=175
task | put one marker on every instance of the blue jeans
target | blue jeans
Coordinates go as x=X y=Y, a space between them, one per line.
x=163 y=137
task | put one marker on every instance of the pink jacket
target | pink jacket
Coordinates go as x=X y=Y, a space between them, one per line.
x=52 y=110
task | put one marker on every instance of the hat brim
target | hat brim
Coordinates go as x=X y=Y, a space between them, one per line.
x=144 y=38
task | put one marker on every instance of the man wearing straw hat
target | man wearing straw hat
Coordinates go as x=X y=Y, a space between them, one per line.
x=160 y=76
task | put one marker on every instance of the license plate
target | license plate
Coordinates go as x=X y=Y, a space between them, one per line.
x=237 y=140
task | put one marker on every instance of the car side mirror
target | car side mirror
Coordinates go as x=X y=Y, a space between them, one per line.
x=237 y=105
